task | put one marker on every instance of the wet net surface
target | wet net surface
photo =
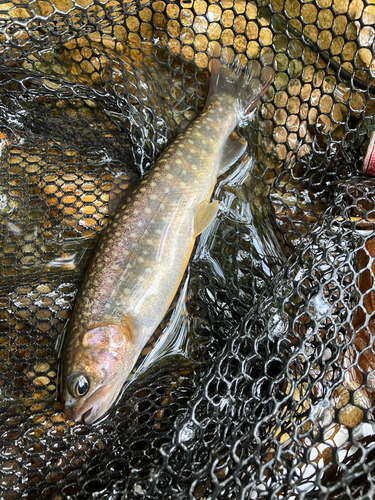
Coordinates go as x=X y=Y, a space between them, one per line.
x=267 y=389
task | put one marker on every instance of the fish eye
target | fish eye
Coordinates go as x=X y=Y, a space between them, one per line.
x=80 y=386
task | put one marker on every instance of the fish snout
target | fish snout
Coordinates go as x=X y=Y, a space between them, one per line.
x=85 y=414
x=73 y=412
x=90 y=409
x=76 y=409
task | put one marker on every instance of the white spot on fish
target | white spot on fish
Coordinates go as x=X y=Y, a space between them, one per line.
x=167 y=167
x=143 y=190
x=148 y=210
x=158 y=231
x=133 y=235
x=190 y=141
x=149 y=241
x=169 y=176
x=179 y=162
x=140 y=223
x=153 y=197
x=145 y=252
x=140 y=260
x=166 y=190
x=153 y=184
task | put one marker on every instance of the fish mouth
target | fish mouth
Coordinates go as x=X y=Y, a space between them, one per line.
x=94 y=407
x=86 y=413
x=96 y=412
x=86 y=416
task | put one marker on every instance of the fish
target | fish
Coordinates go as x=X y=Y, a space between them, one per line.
x=143 y=254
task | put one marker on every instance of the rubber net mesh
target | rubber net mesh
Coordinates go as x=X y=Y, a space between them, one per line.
x=264 y=387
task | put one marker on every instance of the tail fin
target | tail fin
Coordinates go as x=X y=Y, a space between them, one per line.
x=247 y=85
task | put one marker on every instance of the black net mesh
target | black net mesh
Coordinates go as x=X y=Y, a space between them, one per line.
x=265 y=388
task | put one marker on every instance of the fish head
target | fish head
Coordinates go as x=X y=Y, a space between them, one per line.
x=95 y=368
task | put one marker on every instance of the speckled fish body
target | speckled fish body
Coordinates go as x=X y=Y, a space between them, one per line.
x=142 y=257
x=147 y=245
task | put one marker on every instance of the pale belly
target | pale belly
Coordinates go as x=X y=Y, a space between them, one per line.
x=146 y=287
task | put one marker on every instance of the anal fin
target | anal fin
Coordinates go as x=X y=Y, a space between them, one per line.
x=231 y=152
x=206 y=213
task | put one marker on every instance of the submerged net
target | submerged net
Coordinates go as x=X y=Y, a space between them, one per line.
x=264 y=387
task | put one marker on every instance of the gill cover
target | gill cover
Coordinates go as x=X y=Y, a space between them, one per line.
x=111 y=334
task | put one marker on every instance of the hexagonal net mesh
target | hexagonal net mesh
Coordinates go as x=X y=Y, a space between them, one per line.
x=266 y=387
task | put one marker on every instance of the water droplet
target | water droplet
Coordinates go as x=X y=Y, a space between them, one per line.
x=319 y=307
x=187 y=433
x=278 y=324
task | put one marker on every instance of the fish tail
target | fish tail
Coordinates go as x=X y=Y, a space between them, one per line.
x=245 y=84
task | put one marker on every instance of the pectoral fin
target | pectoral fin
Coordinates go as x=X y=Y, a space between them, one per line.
x=206 y=212
x=128 y=329
x=232 y=151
